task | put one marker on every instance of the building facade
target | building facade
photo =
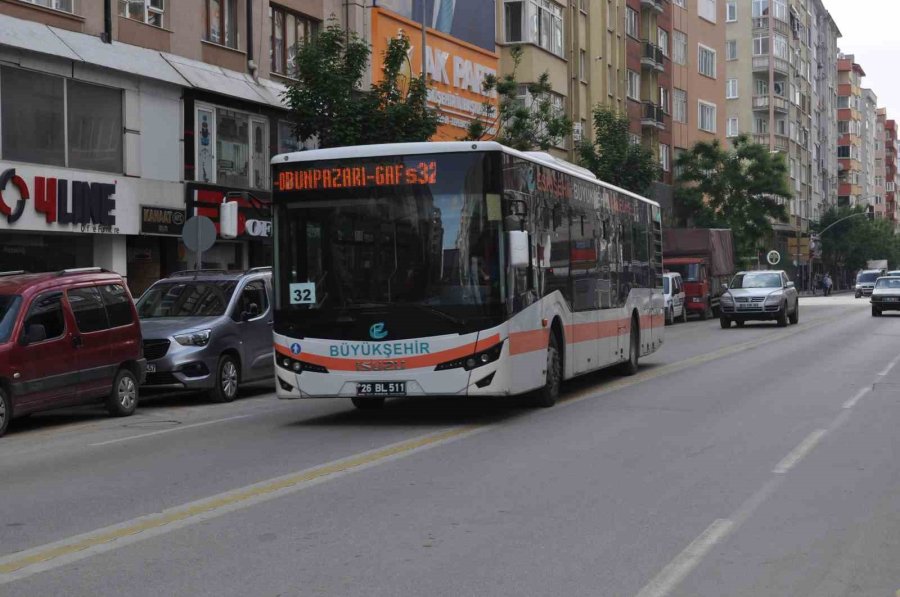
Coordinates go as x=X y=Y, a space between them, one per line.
x=868 y=147
x=891 y=147
x=880 y=205
x=850 y=132
x=145 y=115
x=825 y=35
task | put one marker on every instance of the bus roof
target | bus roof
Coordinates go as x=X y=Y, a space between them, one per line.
x=382 y=149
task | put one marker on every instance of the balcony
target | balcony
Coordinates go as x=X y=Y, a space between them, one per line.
x=761 y=102
x=653 y=115
x=656 y=5
x=761 y=64
x=782 y=142
x=652 y=57
x=761 y=24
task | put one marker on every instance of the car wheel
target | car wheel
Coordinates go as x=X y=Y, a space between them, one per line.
x=549 y=393
x=123 y=397
x=739 y=323
x=630 y=367
x=795 y=316
x=858 y=294
x=5 y=411
x=725 y=323
x=876 y=312
x=367 y=403
x=783 y=317
x=683 y=314
x=228 y=379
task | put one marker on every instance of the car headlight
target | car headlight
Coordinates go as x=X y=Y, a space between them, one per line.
x=198 y=338
x=775 y=297
x=727 y=298
x=857 y=286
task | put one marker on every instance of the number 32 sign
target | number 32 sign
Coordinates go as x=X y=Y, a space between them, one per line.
x=303 y=293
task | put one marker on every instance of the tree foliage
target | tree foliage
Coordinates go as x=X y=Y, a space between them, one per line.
x=327 y=101
x=529 y=124
x=614 y=158
x=743 y=188
x=851 y=242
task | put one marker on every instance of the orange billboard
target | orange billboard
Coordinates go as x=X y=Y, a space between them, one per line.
x=455 y=69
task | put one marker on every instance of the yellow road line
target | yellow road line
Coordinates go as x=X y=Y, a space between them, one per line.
x=211 y=506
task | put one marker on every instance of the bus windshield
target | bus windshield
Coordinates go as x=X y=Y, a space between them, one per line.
x=427 y=253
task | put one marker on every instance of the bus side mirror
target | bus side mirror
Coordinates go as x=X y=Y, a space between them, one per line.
x=518 y=248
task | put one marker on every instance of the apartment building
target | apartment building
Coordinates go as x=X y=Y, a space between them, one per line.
x=891 y=146
x=880 y=204
x=120 y=118
x=825 y=35
x=867 y=149
x=699 y=55
x=580 y=44
x=850 y=131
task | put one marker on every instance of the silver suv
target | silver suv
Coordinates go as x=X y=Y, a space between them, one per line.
x=208 y=330
x=760 y=295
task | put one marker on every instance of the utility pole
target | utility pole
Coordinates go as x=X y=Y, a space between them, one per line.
x=424 y=45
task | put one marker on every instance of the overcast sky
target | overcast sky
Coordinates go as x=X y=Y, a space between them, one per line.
x=869 y=31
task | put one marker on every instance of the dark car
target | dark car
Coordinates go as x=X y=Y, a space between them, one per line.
x=67 y=338
x=208 y=331
x=886 y=295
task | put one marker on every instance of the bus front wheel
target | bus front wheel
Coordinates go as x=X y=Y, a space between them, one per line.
x=549 y=393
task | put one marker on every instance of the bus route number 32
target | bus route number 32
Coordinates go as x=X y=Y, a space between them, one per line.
x=303 y=293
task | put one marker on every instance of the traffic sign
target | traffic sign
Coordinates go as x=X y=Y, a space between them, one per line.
x=773 y=257
x=199 y=234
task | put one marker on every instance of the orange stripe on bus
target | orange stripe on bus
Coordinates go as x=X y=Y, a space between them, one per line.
x=411 y=362
x=522 y=342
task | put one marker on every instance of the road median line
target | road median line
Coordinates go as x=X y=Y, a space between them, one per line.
x=20 y=565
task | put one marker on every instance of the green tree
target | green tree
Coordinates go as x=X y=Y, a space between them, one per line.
x=614 y=158
x=743 y=188
x=532 y=123
x=327 y=101
x=854 y=238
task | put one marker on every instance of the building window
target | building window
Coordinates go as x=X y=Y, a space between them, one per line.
x=664 y=99
x=679 y=47
x=731 y=11
x=761 y=126
x=781 y=46
x=539 y=22
x=731 y=49
x=289 y=32
x=662 y=38
x=706 y=116
x=634 y=139
x=781 y=10
x=61 y=5
x=664 y=157
x=679 y=3
x=760 y=8
x=60 y=122
x=631 y=22
x=732 y=129
x=146 y=11
x=221 y=22
x=731 y=89
x=843 y=151
x=761 y=45
x=706 y=61
x=610 y=80
x=232 y=148
x=679 y=105
x=707 y=10
x=582 y=65
x=634 y=85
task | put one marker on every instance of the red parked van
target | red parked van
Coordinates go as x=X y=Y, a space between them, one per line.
x=67 y=338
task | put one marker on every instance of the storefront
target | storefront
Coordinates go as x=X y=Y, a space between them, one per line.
x=57 y=218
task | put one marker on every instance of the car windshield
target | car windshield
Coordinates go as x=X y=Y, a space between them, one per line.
x=666 y=285
x=186 y=299
x=893 y=283
x=756 y=280
x=867 y=277
x=9 y=309
x=690 y=272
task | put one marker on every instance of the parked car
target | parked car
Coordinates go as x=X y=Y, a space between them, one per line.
x=673 y=293
x=865 y=282
x=760 y=295
x=886 y=295
x=893 y=273
x=208 y=330
x=67 y=338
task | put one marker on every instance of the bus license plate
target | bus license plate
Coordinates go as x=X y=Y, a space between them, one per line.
x=381 y=388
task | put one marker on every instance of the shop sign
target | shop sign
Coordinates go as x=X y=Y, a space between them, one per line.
x=254 y=221
x=92 y=204
x=161 y=220
x=258 y=228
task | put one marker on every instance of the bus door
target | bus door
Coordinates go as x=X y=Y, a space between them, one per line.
x=583 y=259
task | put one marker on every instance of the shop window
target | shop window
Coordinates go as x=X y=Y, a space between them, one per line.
x=46 y=310
x=232 y=148
x=145 y=11
x=289 y=31
x=221 y=22
x=118 y=307
x=36 y=110
x=87 y=306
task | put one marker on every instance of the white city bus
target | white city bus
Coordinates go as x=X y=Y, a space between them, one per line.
x=465 y=269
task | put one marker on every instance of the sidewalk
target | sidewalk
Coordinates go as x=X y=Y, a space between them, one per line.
x=819 y=292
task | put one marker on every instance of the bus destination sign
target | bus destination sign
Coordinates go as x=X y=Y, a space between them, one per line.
x=353 y=176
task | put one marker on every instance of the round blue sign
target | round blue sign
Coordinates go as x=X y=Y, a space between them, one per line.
x=295 y=348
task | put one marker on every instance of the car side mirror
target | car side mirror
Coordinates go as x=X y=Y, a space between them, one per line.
x=34 y=333
x=724 y=287
x=789 y=284
x=251 y=312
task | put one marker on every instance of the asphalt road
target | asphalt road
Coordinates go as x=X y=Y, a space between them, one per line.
x=751 y=462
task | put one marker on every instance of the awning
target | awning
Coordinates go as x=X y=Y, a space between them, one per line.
x=201 y=75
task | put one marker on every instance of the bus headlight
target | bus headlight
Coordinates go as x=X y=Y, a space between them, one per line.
x=296 y=366
x=479 y=359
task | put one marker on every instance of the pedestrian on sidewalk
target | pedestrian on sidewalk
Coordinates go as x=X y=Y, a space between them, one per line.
x=827 y=284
